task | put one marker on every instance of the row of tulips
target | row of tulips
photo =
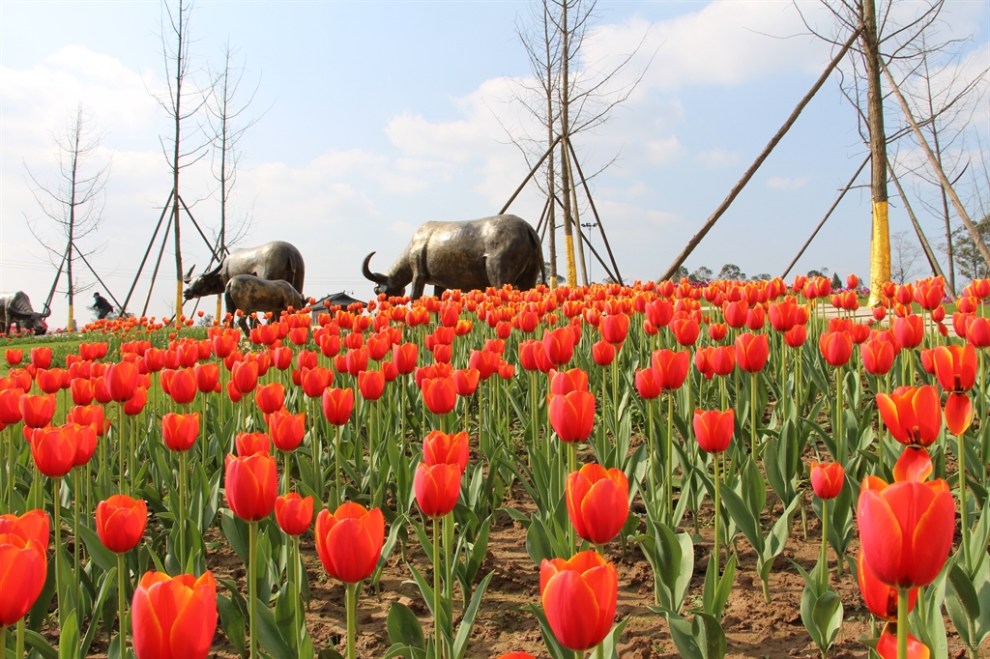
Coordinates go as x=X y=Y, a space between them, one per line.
x=126 y=397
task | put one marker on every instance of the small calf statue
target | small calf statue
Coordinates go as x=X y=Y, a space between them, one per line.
x=251 y=294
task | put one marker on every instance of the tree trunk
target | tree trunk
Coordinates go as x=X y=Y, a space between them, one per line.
x=880 y=242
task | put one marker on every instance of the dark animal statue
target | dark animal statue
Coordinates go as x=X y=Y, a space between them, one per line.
x=492 y=251
x=16 y=311
x=250 y=294
x=274 y=260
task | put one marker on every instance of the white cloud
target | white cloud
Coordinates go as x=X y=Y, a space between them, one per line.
x=717 y=157
x=787 y=183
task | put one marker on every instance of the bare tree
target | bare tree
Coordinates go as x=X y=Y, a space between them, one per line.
x=904 y=258
x=567 y=101
x=176 y=57
x=74 y=202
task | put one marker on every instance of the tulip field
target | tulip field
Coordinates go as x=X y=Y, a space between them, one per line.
x=737 y=469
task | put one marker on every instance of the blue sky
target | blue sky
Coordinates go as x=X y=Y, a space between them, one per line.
x=371 y=117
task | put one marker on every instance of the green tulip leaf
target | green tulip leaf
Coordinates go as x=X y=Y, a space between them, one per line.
x=403 y=627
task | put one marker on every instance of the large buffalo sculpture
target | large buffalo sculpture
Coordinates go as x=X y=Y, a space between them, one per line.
x=16 y=311
x=491 y=251
x=274 y=260
x=250 y=294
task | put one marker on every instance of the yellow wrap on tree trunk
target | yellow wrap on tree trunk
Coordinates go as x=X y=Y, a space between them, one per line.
x=879 y=252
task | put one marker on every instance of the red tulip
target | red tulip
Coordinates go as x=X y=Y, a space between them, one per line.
x=50 y=380
x=913 y=415
x=466 y=381
x=437 y=488
x=579 y=597
x=136 y=403
x=518 y=654
x=905 y=529
x=955 y=367
x=82 y=391
x=597 y=502
x=286 y=429
x=573 y=379
x=958 y=413
x=248 y=443
x=270 y=397
x=53 y=450
x=244 y=376
x=349 y=541
x=603 y=352
x=647 y=384
x=446 y=448
x=671 y=367
x=315 y=380
x=120 y=522
x=208 y=377
x=978 y=332
x=827 y=479
x=10 y=406
x=685 y=329
x=909 y=330
x=121 y=379
x=37 y=410
x=84 y=438
x=293 y=513
x=713 y=429
x=752 y=351
x=879 y=598
x=485 y=362
x=572 y=415
x=559 y=345
x=439 y=394
x=338 y=405
x=836 y=347
x=14 y=356
x=878 y=356
x=179 y=431
x=371 y=384
x=182 y=385
x=796 y=336
x=887 y=645
x=614 y=327
x=174 y=616
x=404 y=356
x=41 y=357
x=251 y=484
x=24 y=557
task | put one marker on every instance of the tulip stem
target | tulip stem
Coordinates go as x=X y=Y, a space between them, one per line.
x=823 y=559
x=57 y=505
x=180 y=514
x=669 y=461
x=296 y=594
x=336 y=467
x=11 y=468
x=252 y=585
x=19 y=643
x=752 y=414
x=436 y=588
x=350 y=597
x=448 y=581
x=718 y=507
x=963 y=513
x=840 y=440
x=902 y=622
x=76 y=486
x=651 y=441
x=121 y=605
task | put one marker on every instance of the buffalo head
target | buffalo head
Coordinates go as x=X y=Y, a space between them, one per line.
x=208 y=283
x=384 y=283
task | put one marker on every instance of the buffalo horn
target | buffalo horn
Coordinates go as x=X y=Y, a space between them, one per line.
x=373 y=276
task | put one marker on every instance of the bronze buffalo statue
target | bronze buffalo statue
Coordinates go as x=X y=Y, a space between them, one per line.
x=273 y=261
x=250 y=294
x=16 y=311
x=491 y=251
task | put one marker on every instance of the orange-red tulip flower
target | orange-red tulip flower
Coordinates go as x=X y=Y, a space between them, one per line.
x=573 y=379
x=572 y=415
x=53 y=450
x=439 y=394
x=84 y=438
x=314 y=381
x=121 y=379
x=120 y=522
x=909 y=330
x=879 y=598
x=81 y=390
x=208 y=377
x=579 y=597
x=174 y=616
x=179 y=431
x=466 y=381
x=136 y=403
x=836 y=347
x=371 y=384
x=14 y=356
x=248 y=443
x=602 y=352
x=958 y=413
x=796 y=336
x=752 y=351
x=37 y=410
x=614 y=327
x=244 y=376
x=10 y=406
x=518 y=654
x=713 y=429
x=905 y=529
x=25 y=566
x=41 y=357
x=597 y=502
x=827 y=479
x=887 y=645
x=878 y=356
x=286 y=429
x=671 y=367
x=293 y=513
x=251 y=483
x=647 y=384
x=182 y=385
x=446 y=448
x=913 y=415
x=955 y=367
x=437 y=488
x=337 y=405
x=559 y=345
x=270 y=397
x=349 y=541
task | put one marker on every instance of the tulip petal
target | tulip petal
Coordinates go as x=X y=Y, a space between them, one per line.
x=880 y=535
x=572 y=610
